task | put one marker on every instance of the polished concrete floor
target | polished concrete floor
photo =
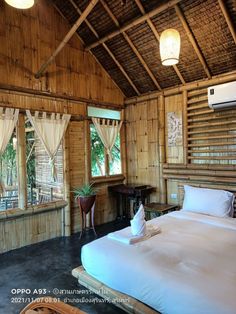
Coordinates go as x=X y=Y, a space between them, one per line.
x=48 y=265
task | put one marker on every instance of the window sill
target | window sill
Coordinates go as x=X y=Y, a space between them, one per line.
x=31 y=210
x=114 y=178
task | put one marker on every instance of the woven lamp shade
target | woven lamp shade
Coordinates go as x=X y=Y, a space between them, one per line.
x=20 y=4
x=170 y=46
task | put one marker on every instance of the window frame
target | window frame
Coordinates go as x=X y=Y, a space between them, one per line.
x=107 y=177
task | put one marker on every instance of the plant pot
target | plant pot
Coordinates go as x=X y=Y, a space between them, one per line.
x=86 y=202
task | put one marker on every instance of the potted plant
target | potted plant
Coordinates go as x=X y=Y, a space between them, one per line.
x=86 y=195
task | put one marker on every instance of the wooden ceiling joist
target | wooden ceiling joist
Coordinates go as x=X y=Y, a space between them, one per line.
x=67 y=37
x=132 y=46
x=133 y=23
x=228 y=19
x=157 y=36
x=192 y=39
x=107 y=49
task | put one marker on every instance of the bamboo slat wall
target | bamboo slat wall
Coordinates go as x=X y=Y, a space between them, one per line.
x=204 y=156
x=211 y=134
x=25 y=230
x=27 y=40
x=142 y=134
x=43 y=170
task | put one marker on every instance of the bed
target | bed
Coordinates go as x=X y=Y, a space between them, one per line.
x=188 y=268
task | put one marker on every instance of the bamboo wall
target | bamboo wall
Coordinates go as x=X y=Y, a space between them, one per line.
x=204 y=156
x=73 y=81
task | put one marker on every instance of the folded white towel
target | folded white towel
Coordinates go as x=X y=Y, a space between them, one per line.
x=125 y=236
x=138 y=223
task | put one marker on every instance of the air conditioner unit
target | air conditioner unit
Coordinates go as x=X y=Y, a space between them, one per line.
x=222 y=96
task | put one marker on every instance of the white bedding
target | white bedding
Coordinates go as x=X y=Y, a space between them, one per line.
x=189 y=268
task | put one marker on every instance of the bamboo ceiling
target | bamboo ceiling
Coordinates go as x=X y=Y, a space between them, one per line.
x=131 y=56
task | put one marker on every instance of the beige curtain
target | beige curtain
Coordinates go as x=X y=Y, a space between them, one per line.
x=8 y=119
x=107 y=132
x=50 y=130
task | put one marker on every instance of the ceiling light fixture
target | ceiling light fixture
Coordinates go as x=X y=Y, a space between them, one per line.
x=20 y=4
x=170 y=46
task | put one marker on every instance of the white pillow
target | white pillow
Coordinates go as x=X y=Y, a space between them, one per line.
x=217 y=203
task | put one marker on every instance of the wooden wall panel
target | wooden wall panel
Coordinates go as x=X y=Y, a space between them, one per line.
x=18 y=232
x=205 y=155
x=28 y=38
x=142 y=144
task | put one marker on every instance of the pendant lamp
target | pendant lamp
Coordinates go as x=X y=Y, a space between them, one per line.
x=170 y=46
x=20 y=4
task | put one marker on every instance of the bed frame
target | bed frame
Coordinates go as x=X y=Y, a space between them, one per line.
x=128 y=304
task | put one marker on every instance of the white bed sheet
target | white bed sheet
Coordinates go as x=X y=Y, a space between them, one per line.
x=189 y=268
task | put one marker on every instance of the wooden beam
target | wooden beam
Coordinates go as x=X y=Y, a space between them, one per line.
x=21 y=162
x=157 y=36
x=228 y=19
x=66 y=212
x=217 y=79
x=67 y=37
x=192 y=40
x=107 y=49
x=135 y=22
x=132 y=46
x=135 y=50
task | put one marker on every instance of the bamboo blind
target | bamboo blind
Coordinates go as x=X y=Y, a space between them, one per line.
x=211 y=135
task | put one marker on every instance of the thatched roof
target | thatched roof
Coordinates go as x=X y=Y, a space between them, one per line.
x=132 y=58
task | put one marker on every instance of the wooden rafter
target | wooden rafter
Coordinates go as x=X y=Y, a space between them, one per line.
x=157 y=36
x=67 y=37
x=228 y=19
x=192 y=40
x=107 y=49
x=132 y=46
x=133 y=23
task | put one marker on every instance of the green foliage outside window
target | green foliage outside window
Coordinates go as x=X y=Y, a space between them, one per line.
x=98 y=156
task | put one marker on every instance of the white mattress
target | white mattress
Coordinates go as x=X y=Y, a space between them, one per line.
x=189 y=268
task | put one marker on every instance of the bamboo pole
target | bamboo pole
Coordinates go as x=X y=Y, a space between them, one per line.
x=66 y=221
x=192 y=39
x=162 y=149
x=212 y=144
x=212 y=151
x=67 y=37
x=198 y=99
x=200 y=166
x=199 y=178
x=220 y=173
x=135 y=50
x=208 y=124
x=201 y=106
x=185 y=122
x=228 y=19
x=212 y=130
x=21 y=162
x=133 y=23
x=214 y=137
x=209 y=118
x=212 y=157
x=16 y=90
x=157 y=36
x=132 y=46
x=199 y=113
x=106 y=47
x=218 y=79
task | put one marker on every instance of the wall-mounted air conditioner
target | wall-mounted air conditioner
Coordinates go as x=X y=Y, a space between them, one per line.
x=222 y=96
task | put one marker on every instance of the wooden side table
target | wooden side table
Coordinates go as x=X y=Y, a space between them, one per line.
x=158 y=209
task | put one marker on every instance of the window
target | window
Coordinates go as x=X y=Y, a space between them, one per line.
x=8 y=172
x=101 y=164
